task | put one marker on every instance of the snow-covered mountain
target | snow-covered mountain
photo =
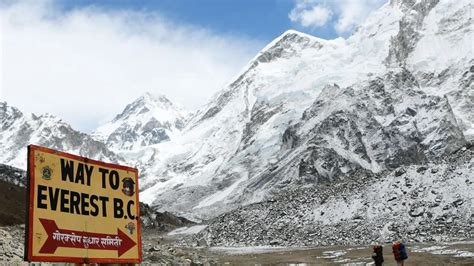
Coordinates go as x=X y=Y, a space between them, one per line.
x=149 y=120
x=18 y=130
x=306 y=110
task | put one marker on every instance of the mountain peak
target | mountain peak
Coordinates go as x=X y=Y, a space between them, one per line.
x=150 y=119
x=295 y=36
x=295 y=32
x=288 y=44
x=158 y=103
x=154 y=98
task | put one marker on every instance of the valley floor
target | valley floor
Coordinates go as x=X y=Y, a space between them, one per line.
x=164 y=249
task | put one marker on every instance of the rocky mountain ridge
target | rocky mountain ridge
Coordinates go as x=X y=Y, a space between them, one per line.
x=18 y=130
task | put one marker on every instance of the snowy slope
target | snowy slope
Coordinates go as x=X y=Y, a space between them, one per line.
x=149 y=120
x=18 y=130
x=309 y=110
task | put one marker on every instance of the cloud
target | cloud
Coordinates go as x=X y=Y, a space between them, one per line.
x=310 y=15
x=86 y=64
x=343 y=15
x=354 y=12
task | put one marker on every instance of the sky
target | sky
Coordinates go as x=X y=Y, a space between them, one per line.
x=84 y=60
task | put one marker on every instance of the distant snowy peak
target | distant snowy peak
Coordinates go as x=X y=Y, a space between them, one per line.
x=150 y=119
x=18 y=130
x=158 y=105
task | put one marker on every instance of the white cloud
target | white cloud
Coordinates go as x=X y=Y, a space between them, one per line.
x=86 y=65
x=310 y=14
x=344 y=15
x=354 y=12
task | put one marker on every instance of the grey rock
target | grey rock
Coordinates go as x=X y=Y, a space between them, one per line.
x=458 y=202
x=399 y=172
x=421 y=169
x=416 y=212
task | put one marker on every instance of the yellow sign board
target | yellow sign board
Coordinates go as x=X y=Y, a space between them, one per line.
x=81 y=210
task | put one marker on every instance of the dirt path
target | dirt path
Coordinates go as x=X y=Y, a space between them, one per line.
x=419 y=254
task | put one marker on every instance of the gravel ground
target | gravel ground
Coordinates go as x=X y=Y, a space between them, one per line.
x=161 y=249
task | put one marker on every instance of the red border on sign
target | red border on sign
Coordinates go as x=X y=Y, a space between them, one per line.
x=31 y=184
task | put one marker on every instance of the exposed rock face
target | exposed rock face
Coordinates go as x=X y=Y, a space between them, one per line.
x=461 y=99
x=383 y=125
x=346 y=132
x=19 y=130
x=403 y=44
